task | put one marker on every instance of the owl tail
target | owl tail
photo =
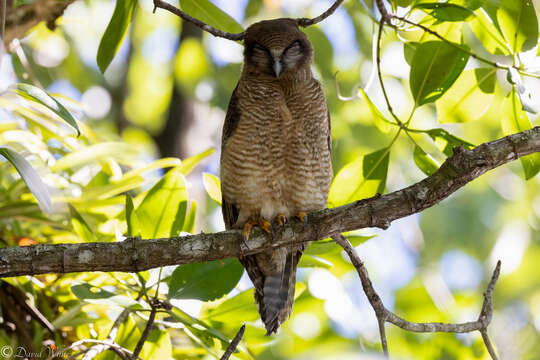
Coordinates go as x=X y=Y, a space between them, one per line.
x=278 y=294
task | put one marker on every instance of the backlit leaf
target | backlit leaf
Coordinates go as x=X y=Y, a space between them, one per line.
x=424 y=161
x=435 y=67
x=446 y=11
x=212 y=186
x=114 y=34
x=446 y=141
x=210 y=14
x=96 y=295
x=518 y=23
x=488 y=34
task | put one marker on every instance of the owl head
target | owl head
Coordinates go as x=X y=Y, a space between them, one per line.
x=276 y=48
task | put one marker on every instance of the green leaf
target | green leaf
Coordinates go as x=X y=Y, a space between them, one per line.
x=488 y=34
x=435 y=67
x=409 y=49
x=189 y=164
x=159 y=208
x=446 y=141
x=212 y=186
x=253 y=8
x=383 y=124
x=446 y=11
x=469 y=98
x=95 y=295
x=518 y=23
x=133 y=223
x=80 y=225
x=210 y=14
x=312 y=261
x=324 y=55
x=121 y=151
x=424 y=161
x=242 y=306
x=360 y=179
x=189 y=223
x=30 y=177
x=22 y=2
x=180 y=219
x=40 y=96
x=523 y=92
x=205 y=281
x=514 y=120
x=157 y=346
x=114 y=34
x=329 y=245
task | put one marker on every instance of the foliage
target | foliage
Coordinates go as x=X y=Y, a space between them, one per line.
x=71 y=176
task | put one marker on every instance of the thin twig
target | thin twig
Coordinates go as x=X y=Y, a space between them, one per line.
x=234 y=343
x=3 y=9
x=155 y=304
x=99 y=348
x=124 y=353
x=210 y=29
x=384 y=315
x=304 y=22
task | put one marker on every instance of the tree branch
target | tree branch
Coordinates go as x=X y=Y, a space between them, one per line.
x=134 y=255
x=385 y=315
x=234 y=343
x=304 y=22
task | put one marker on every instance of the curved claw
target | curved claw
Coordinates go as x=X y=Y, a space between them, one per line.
x=281 y=220
x=248 y=226
x=302 y=216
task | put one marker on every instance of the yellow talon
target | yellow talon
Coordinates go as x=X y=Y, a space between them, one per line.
x=281 y=219
x=302 y=216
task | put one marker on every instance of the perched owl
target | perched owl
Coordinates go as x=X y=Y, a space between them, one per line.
x=275 y=155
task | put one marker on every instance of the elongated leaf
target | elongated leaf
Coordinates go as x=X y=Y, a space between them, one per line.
x=80 y=225
x=205 y=281
x=115 y=32
x=133 y=223
x=38 y=95
x=157 y=346
x=159 y=208
x=488 y=34
x=469 y=98
x=435 y=67
x=210 y=14
x=189 y=223
x=514 y=120
x=30 y=177
x=212 y=186
x=383 y=124
x=518 y=23
x=312 y=261
x=360 y=179
x=446 y=11
x=424 y=161
x=96 y=295
x=118 y=150
x=446 y=141
x=330 y=246
x=188 y=164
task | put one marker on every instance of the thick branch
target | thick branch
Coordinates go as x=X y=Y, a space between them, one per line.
x=136 y=255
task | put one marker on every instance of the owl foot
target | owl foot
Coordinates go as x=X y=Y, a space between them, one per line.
x=262 y=223
x=302 y=216
x=281 y=220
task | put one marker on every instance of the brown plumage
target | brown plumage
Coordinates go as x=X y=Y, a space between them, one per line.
x=275 y=154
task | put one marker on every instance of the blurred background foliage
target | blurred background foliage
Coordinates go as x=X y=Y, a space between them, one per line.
x=163 y=98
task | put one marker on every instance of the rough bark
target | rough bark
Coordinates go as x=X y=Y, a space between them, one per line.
x=379 y=211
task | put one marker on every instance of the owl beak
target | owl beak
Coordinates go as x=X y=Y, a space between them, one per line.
x=277 y=68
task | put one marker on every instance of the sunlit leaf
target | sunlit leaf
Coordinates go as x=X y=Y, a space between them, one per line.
x=435 y=67
x=360 y=179
x=446 y=141
x=210 y=14
x=80 y=225
x=488 y=34
x=424 y=161
x=205 y=281
x=324 y=55
x=121 y=151
x=114 y=34
x=189 y=223
x=40 y=96
x=30 y=176
x=157 y=346
x=157 y=212
x=514 y=120
x=446 y=11
x=242 y=306
x=330 y=246
x=96 y=295
x=133 y=223
x=518 y=23
x=523 y=92
x=312 y=261
x=188 y=164
x=469 y=98
x=383 y=124
x=212 y=186
x=253 y=8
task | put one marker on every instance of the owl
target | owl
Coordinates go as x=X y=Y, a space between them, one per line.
x=275 y=155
